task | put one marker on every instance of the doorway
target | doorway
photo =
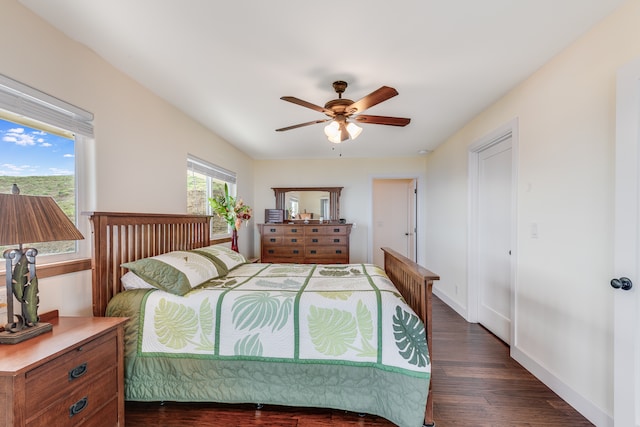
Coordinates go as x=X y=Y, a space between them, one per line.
x=492 y=231
x=394 y=217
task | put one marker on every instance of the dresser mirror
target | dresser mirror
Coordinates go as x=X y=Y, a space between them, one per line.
x=309 y=203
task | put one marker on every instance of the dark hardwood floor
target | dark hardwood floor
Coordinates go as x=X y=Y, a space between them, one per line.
x=475 y=383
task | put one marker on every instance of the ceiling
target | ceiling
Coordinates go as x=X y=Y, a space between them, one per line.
x=227 y=63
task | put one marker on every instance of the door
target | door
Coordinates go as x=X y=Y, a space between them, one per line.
x=494 y=238
x=626 y=329
x=394 y=217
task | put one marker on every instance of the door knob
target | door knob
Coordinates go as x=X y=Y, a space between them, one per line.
x=623 y=283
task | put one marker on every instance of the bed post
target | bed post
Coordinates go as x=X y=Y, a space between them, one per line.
x=415 y=283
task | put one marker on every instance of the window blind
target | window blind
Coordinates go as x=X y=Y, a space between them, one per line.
x=22 y=100
x=202 y=166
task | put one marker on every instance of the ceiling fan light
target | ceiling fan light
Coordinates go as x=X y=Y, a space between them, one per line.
x=332 y=130
x=335 y=138
x=354 y=130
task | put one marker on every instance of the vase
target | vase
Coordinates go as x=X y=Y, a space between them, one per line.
x=234 y=240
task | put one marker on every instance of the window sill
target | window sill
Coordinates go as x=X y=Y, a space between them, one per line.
x=56 y=268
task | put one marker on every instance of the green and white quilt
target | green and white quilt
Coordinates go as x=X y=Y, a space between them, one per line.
x=342 y=327
x=290 y=312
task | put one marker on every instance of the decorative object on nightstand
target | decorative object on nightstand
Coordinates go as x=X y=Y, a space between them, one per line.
x=28 y=220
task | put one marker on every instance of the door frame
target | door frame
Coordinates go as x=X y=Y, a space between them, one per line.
x=626 y=240
x=413 y=205
x=508 y=130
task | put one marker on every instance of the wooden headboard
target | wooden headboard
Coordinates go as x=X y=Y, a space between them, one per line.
x=120 y=237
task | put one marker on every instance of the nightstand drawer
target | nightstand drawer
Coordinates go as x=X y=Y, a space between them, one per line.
x=80 y=403
x=81 y=364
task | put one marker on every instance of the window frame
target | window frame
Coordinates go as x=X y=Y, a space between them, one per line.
x=30 y=107
x=212 y=172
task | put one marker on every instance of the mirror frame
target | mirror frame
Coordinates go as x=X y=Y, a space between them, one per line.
x=334 y=197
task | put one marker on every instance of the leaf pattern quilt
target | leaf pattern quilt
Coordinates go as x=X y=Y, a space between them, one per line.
x=300 y=313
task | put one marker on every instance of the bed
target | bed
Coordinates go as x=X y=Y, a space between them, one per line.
x=352 y=337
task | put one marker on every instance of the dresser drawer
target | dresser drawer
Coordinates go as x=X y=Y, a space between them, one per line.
x=272 y=230
x=272 y=240
x=283 y=251
x=324 y=240
x=80 y=404
x=327 y=230
x=294 y=231
x=80 y=365
x=326 y=252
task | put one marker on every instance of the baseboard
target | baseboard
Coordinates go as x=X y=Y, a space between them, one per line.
x=451 y=303
x=588 y=410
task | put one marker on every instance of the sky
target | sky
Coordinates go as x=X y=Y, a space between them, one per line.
x=25 y=151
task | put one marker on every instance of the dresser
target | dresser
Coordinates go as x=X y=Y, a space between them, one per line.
x=71 y=376
x=305 y=243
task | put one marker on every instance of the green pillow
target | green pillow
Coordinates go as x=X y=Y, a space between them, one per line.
x=176 y=272
x=223 y=256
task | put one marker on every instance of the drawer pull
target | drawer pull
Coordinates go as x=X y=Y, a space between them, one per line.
x=338 y=251
x=336 y=240
x=272 y=240
x=313 y=252
x=314 y=240
x=336 y=230
x=294 y=240
x=314 y=230
x=78 y=407
x=294 y=230
x=270 y=251
x=296 y=251
x=272 y=230
x=78 y=371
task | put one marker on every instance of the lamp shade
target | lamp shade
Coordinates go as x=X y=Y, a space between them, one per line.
x=33 y=219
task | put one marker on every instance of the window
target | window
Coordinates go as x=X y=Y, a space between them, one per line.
x=43 y=141
x=204 y=180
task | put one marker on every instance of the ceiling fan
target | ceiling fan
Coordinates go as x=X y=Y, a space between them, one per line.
x=341 y=110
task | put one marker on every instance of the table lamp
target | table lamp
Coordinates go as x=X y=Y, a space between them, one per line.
x=28 y=220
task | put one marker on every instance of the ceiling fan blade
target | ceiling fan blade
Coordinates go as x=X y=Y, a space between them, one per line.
x=374 y=98
x=381 y=120
x=315 y=107
x=302 y=125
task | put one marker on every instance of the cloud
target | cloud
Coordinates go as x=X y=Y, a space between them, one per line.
x=18 y=137
x=69 y=155
x=46 y=144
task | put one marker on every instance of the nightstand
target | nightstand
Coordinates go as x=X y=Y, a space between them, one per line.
x=73 y=375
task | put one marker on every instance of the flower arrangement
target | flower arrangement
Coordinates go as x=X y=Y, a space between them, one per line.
x=231 y=210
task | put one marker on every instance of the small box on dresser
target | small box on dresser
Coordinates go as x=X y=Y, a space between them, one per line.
x=71 y=376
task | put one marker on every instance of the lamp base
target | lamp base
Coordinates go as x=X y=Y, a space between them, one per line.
x=7 y=337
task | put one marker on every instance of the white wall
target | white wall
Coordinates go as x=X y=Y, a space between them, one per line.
x=141 y=142
x=566 y=114
x=355 y=175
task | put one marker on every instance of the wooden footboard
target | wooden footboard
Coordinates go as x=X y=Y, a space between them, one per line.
x=415 y=284
x=123 y=237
